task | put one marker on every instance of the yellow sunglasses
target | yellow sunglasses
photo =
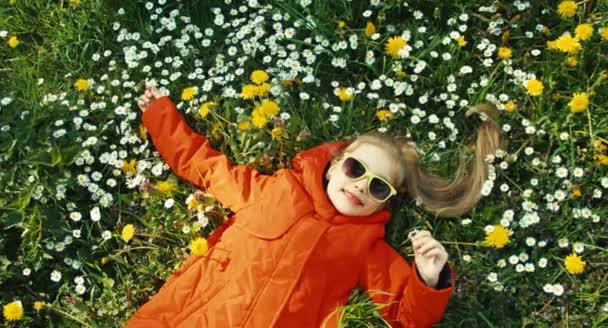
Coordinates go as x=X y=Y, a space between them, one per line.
x=378 y=187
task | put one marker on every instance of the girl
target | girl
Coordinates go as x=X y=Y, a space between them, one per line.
x=302 y=239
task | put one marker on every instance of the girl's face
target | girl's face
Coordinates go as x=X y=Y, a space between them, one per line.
x=351 y=196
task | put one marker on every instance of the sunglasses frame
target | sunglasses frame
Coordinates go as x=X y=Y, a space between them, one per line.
x=369 y=176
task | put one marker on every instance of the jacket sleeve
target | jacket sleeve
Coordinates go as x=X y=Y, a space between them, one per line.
x=192 y=158
x=401 y=296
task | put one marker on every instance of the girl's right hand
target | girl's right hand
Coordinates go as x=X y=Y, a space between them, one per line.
x=149 y=95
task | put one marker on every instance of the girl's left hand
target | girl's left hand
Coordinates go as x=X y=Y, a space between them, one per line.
x=430 y=257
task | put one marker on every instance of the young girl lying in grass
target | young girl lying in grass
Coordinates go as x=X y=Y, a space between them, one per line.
x=302 y=239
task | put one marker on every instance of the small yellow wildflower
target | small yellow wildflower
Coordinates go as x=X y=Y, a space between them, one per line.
x=567 y=8
x=534 y=87
x=576 y=192
x=259 y=76
x=143 y=135
x=345 y=94
x=13 y=41
x=571 y=61
x=258 y=118
x=82 y=85
x=263 y=89
x=38 y=306
x=341 y=24
x=603 y=33
x=579 y=102
x=497 y=238
x=505 y=36
x=583 y=31
x=383 y=114
x=128 y=232
x=104 y=260
x=128 y=167
x=504 y=53
x=601 y=159
x=394 y=45
x=244 y=125
x=566 y=43
x=599 y=145
x=249 y=91
x=370 y=29
x=74 y=3
x=574 y=264
x=269 y=108
x=189 y=93
x=199 y=246
x=13 y=311
x=510 y=106
x=462 y=41
x=277 y=133
x=203 y=109
x=552 y=45
x=166 y=187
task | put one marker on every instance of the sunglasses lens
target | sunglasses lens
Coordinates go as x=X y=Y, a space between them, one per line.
x=379 y=189
x=353 y=168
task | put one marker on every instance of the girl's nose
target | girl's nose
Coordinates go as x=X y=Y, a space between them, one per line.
x=360 y=185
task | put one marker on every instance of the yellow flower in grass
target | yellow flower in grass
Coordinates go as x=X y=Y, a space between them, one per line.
x=394 y=45
x=277 y=133
x=341 y=24
x=567 y=8
x=345 y=94
x=13 y=311
x=504 y=53
x=203 y=109
x=603 y=33
x=38 y=306
x=244 y=125
x=74 y=3
x=13 y=41
x=579 y=102
x=259 y=76
x=566 y=43
x=510 y=106
x=269 y=108
x=576 y=192
x=249 y=91
x=601 y=159
x=534 y=87
x=583 y=31
x=199 y=246
x=574 y=264
x=462 y=41
x=82 y=85
x=599 y=145
x=571 y=61
x=263 y=89
x=143 y=135
x=258 y=118
x=370 y=29
x=498 y=237
x=12 y=2
x=128 y=167
x=127 y=232
x=166 y=187
x=189 y=93
x=383 y=115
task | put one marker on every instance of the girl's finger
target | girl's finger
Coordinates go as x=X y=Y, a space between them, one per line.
x=420 y=234
x=435 y=252
x=155 y=92
x=421 y=241
x=427 y=247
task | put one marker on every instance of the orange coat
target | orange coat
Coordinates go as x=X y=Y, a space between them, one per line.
x=288 y=259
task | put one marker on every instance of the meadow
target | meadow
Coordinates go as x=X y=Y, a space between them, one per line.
x=92 y=221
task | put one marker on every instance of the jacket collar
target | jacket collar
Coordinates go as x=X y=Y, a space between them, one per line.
x=311 y=165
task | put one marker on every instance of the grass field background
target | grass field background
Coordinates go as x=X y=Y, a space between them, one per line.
x=92 y=221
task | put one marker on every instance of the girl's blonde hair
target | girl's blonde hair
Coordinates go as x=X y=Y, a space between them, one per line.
x=436 y=194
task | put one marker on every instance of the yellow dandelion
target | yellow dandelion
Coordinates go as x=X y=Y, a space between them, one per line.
x=505 y=53
x=566 y=43
x=601 y=159
x=258 y=118
x=277 y=133
x=599 y=145
x=576 y=192
x=263 y=89
x=567 y=8
x=462 y=41
x=128 y=167
x=143 y=135
x=13 y=41
x=82 y=85
x=269 y=108
x=104 y=260
x=244 y=125
x=341 y=24
x=534 y=87
x=583 y=31
x=203 y=109
x=38 y=306
x=383 y=114
x=510 y=106
x=345 y=94
x=505 y=36
x=166 y=187
x=574 y=264
x=498 y=237
x=13 y=311
x=552 y=45
x=571 y=61
x=249 y=91
x=579 y=102
x=394 y=45
x=259 y=76
x=603 y=33
x=128 y=232
x=199 y=246
x=189 y=93
x=370 y=29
